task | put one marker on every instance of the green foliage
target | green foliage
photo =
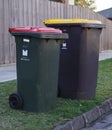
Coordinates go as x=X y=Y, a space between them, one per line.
x=65 y=110
x=83 y=3
x=86 y=3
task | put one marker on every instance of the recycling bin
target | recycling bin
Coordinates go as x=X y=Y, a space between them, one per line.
x=78 y=67
x=37 y=51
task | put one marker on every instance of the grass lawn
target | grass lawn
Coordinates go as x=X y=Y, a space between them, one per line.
x=65 y=109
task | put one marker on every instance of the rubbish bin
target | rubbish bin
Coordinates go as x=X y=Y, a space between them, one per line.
x=79 y=54
x=37 y=51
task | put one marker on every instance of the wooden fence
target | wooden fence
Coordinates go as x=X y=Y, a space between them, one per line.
x=15 y=13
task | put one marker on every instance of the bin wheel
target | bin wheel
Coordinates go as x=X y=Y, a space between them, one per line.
x=15 y=101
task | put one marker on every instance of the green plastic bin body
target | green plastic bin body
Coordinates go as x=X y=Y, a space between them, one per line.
x=37 y=69
x=78 y=67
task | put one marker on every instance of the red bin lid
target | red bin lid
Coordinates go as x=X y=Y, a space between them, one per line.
x=19 y=29
x=35 y=29
x=48 y=29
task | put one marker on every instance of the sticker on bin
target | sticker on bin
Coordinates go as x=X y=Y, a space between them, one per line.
x=35 y=29
x=64 y=46
x=25 y=52
x=25 y=55
x=26 y=40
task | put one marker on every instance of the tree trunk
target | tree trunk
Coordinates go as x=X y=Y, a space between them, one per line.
x=64 y=1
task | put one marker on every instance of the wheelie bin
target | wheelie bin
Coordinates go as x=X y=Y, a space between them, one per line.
x=37 y=51
x=78 y=67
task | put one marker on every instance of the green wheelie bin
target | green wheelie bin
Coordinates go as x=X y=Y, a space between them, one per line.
x=37 y=51
x=78 y=66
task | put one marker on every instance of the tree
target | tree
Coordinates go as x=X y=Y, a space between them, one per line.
x=86 y=3
x=83 y=3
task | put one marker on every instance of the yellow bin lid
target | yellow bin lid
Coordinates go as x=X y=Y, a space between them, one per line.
x=65 y=21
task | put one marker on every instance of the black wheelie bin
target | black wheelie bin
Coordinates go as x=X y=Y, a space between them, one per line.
x=79 y=55
x=37 y=51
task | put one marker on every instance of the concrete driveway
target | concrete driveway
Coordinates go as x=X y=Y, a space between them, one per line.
x=7 y=73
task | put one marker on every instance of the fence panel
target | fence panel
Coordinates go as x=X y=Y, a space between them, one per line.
x=1 y=33
x=33 y=13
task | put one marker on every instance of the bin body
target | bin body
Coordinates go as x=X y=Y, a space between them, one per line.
x=78 y=67
x=37 y=69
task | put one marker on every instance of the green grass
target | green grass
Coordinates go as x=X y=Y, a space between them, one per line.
x=65 y=108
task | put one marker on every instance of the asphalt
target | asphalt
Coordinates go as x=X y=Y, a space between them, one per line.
x=8 y=73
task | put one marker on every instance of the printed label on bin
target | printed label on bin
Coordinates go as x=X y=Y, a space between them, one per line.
x=24 y=56
x=25 y=59
x=24 y=52
x=64 y=46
